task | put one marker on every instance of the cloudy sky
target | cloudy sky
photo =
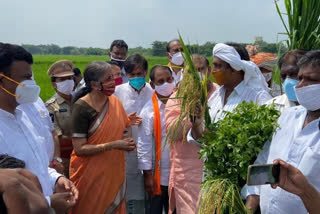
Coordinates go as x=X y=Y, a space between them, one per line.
x=96 y=23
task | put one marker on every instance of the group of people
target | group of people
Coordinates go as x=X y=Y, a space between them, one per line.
x=100 y=144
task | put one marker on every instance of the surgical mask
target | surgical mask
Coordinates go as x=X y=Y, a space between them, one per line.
x=118 y=81
x=165 y=89
x=119 y=61
x=309 y=96
x=137 y=82
x=27 y=91
x=65 y=87
x=219 y=77
x=107 y=90
x=288 y=87
x=177 y=58
x=267 y=76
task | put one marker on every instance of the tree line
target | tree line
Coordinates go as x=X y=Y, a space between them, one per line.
x=158 y=48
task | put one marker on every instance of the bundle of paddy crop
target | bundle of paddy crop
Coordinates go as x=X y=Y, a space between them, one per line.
x=228 y=147
x=192 y=92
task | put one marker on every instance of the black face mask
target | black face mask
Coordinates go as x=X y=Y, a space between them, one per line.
x=120 y=62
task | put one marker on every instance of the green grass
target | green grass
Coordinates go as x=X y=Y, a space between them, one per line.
x=43 y=62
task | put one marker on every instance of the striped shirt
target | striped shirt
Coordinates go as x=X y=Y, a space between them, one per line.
x=240 y=94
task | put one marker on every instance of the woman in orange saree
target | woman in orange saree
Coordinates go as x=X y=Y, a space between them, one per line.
x=97 y=165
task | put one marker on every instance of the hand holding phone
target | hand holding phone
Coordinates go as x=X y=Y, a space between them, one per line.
x=263 y=174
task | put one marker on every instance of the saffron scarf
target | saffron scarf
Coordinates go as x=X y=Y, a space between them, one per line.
x=157 y=134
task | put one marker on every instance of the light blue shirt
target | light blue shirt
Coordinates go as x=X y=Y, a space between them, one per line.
x=297 y=146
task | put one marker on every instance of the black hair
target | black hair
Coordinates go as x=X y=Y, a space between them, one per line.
x=312 y=58
x=9 y=162
x=93 y=72
x=242 y=51
x=76 y=72
x=133 y=61
x=10 y=53
x=119 y=44
x=53 y=79
x=154 y=68
x=114 y=63
x=292 y=54
x=169 y=43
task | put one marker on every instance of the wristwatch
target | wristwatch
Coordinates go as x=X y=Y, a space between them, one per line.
x=58 y=159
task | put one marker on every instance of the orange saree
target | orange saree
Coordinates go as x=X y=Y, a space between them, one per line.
x=100 y=178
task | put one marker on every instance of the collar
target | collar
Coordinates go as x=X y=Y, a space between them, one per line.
x=8 y=115
x=132 y=89
x=174 y=73
x=60 y=99
x=240 y=88
x=160 y=103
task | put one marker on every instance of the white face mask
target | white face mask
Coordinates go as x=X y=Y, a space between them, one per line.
x=177 y=58
x=28 y=93
x=165 y=89
x=65 y=87
x=309 y=96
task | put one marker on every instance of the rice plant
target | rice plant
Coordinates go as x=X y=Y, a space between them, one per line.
x=192 y=92
x=302 y=26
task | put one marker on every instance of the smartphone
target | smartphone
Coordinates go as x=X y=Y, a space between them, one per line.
x=263 y=174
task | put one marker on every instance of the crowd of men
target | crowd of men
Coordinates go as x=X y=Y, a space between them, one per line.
x=39 y=142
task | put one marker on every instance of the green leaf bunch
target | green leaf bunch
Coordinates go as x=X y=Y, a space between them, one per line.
x=233 y=143
x=229 y=146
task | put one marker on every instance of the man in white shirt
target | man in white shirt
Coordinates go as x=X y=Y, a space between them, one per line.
x=18 y=136
x=176 y=64
x=240 y=80
x=151 y=142
x=289 y=77
x=41 y=120
x=134 y=95
x=297 y=142
x=118 y=53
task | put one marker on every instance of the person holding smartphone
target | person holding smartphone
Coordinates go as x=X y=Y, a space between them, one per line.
x=292 y=180
x=297 y=142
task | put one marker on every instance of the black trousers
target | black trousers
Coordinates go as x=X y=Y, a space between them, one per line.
x=159 y=203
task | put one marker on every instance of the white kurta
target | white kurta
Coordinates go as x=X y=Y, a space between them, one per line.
x=297 y=146
x=177 y=77
x=20 y=139
x=282 y=102
x=240 y=94
x=41 y=120
x=146 y=143
x=133 y=102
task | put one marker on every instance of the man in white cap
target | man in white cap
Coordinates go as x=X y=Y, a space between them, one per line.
x=240 y=81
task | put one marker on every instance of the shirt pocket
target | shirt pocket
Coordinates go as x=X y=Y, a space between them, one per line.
x=310 y=167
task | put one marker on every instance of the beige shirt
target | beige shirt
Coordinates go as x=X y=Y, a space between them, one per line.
x=60 y=111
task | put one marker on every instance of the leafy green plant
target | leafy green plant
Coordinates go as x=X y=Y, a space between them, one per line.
x=228 y=148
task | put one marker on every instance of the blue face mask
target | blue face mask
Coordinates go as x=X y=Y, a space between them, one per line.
x=137 y=82
x=288 y=87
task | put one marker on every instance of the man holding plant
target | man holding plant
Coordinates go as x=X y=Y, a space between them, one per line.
x=240 y=81
x=297 y=142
